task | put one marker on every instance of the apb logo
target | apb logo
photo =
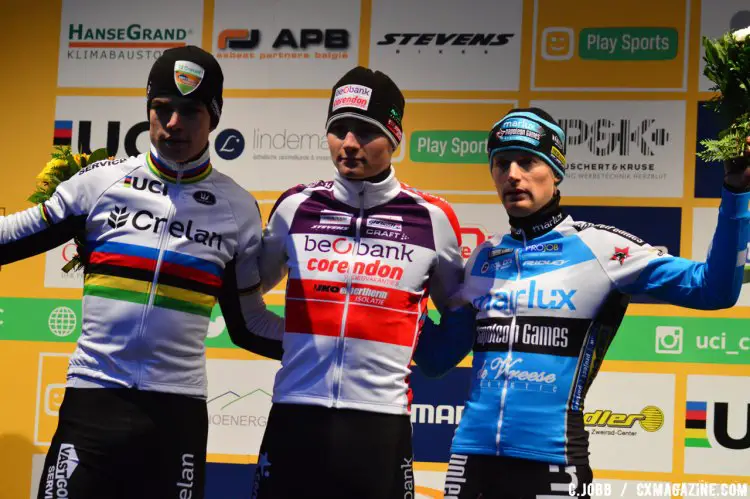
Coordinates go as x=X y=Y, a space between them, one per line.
x=243 y=39
x=696 y=426
x=118 y=217
x=239 y=39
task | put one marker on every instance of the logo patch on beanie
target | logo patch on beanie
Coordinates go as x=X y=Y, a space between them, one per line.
x=357 y=96
x=558 y=156
x=187 y=76
x=520 y=129
x=395 y=129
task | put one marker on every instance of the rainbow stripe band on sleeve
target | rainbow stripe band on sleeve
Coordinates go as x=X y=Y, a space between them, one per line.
x=125 y=272
x=45 y=214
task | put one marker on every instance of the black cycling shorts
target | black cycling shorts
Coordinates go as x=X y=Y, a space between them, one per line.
x=123 y=443
x=477 y=476
x=310 y=452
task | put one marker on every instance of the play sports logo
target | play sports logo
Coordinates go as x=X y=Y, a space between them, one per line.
x=636 y=43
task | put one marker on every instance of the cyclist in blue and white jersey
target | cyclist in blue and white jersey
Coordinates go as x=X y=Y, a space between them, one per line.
x=548 y=299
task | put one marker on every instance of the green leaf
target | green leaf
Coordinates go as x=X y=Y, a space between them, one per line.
x=37 y=198
x=98 y=155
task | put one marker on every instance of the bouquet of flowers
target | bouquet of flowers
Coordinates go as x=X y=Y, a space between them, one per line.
x=728 y=66
x=63 y=165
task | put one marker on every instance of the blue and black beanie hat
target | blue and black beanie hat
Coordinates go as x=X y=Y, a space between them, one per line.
x=532 y=130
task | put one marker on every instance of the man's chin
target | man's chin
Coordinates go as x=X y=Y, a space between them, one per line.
x=178 y=152
x=519 y=208
x=356 y=173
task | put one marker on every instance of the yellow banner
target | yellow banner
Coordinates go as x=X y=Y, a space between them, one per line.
x=620 y=45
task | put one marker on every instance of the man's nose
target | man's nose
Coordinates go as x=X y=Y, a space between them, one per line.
x=351 y=141
x=175 y=120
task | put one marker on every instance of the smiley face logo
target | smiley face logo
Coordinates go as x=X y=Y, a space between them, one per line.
x=557 y=43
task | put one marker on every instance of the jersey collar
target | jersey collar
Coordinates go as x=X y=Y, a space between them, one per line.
x=186 y=173
x=538 y=223
x=373 y=193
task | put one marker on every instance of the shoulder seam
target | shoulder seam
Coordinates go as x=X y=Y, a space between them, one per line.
x=106 y=189
x=441 y=204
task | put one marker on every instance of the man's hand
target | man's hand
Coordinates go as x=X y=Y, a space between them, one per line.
x=739 y=178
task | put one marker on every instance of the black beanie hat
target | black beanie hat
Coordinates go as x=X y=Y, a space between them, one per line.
x=370 y=96
x=188 y=72
x=532 y=130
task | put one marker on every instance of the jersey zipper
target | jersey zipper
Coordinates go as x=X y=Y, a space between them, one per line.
x=339 y=366
x=154 y=283
x=509 y=357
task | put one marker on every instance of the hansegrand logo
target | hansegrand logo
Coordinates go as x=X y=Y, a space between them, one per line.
x=144 y=220
x=132 y=42
x=132 y=33
x=651 y=419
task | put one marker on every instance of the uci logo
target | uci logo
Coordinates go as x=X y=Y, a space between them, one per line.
x=132 y=137
x=144 y=184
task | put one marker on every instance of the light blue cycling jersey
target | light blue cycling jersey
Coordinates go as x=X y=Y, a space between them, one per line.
x=548 y=301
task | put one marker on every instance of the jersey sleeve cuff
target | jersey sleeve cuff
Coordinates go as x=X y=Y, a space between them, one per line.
x=735 y=205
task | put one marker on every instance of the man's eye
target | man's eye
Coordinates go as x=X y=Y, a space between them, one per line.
x=365 y=132
x=338 y=131
x=503 y=164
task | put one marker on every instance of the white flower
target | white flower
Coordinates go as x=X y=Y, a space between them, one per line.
x=741 y=34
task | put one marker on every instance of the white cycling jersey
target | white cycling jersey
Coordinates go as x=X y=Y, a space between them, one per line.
x=162 y=244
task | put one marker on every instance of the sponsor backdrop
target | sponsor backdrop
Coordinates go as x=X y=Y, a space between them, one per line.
x=672 y=403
